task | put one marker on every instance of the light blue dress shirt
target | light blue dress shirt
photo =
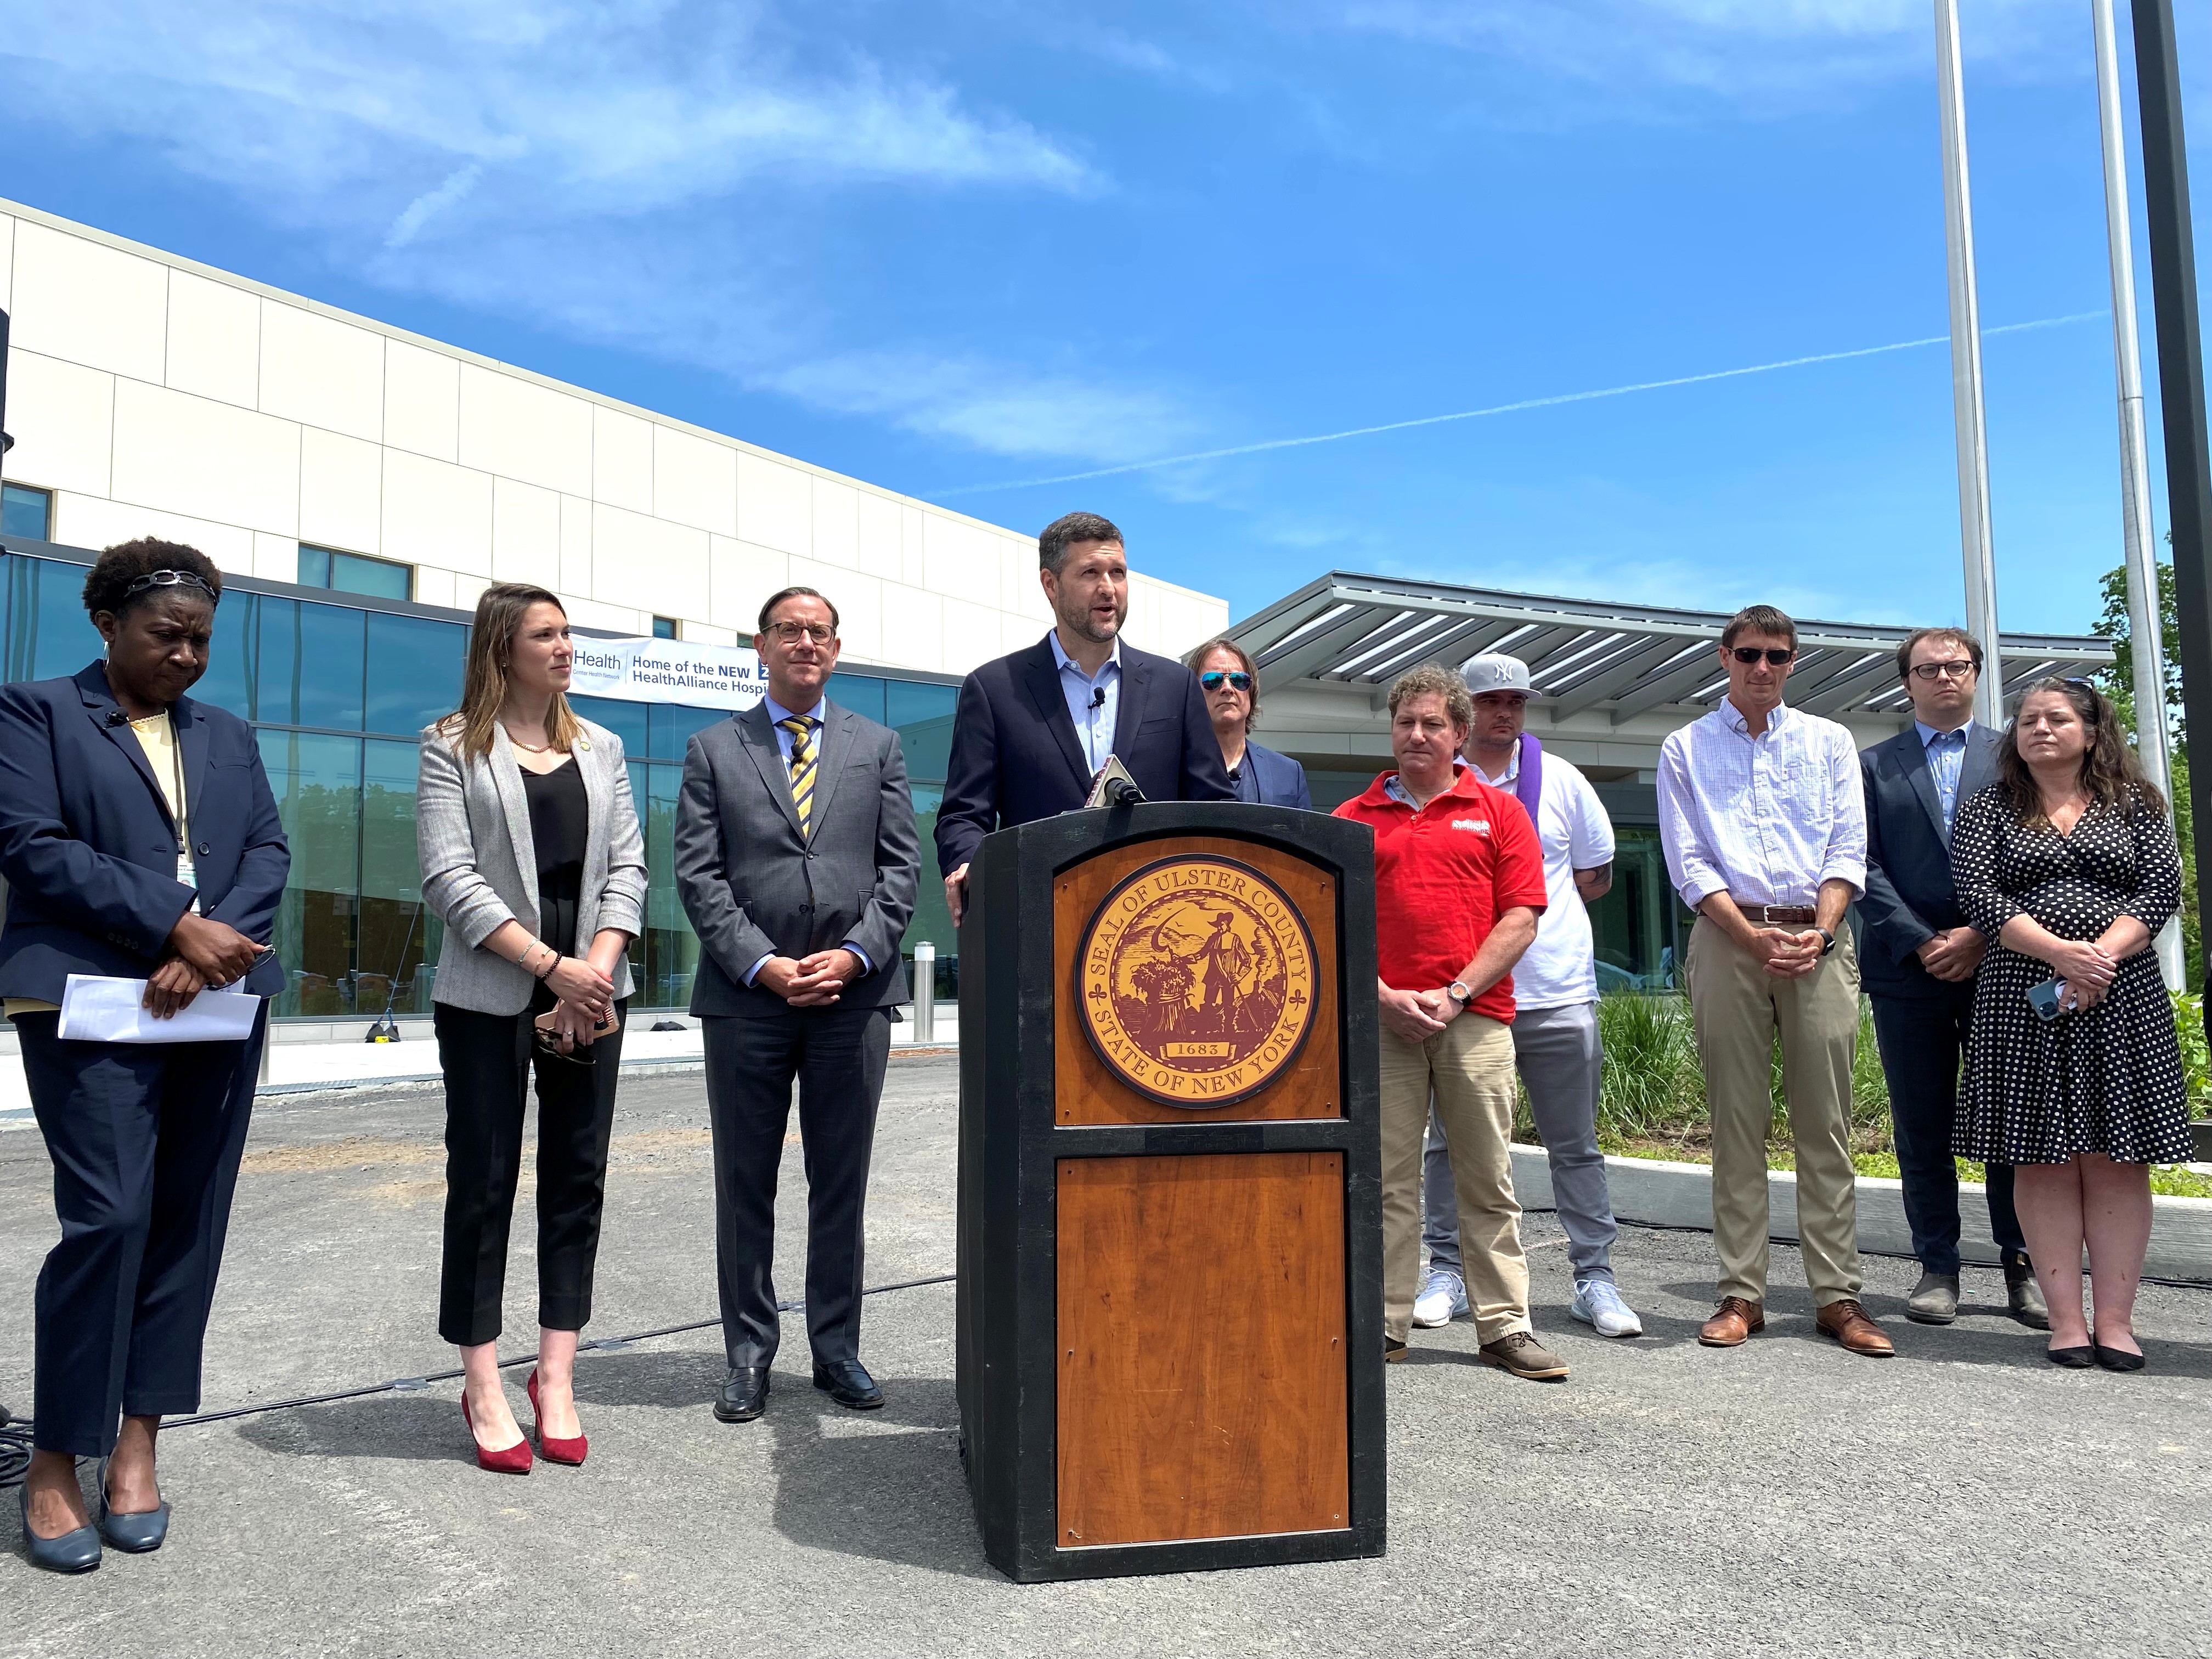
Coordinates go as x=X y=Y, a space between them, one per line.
x=1947 y=761
x=777 y=713
x=1094 y=717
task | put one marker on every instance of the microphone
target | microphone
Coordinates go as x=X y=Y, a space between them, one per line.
x=1114 y=787
x=117 y=717
x=1098 y=697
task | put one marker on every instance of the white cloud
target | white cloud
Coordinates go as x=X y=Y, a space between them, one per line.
x=1775 y=53
x=1002 y=411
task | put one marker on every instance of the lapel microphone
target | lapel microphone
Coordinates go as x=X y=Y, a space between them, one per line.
x=1098 y=697
x=117 y=717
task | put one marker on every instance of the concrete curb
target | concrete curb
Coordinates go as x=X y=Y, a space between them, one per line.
x=1666 y=1194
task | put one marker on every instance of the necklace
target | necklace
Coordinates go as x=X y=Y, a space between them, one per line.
x=526 y=748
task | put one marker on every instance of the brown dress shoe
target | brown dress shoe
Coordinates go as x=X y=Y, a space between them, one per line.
x=1853 y=1326
x=1733 y=1322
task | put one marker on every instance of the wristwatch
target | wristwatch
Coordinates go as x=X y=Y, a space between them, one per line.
x=1827 y=940
x=1458 y=993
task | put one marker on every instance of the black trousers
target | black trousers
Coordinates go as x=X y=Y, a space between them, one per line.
x=838 y=1055
x=488 y=1060
x=1922 y=1039
x=145 y=1139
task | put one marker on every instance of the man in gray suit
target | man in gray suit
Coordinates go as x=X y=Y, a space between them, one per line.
x=797 y=855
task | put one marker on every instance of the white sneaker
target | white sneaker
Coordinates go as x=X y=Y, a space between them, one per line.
x=1597 y=1303
x=1443 y=1299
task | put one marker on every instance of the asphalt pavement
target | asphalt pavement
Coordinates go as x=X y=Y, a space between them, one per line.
x=1665 y=1500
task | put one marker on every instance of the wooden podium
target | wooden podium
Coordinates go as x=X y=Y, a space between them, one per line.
x=1170 y=1300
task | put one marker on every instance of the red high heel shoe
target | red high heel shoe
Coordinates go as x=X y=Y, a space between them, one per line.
x=556 y=1452
x=508 y=1460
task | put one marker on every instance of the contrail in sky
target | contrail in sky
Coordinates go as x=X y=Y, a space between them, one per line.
x=1513 y=408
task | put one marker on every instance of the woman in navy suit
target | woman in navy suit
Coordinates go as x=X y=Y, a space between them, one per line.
x=138 y=839
x=1230 y=685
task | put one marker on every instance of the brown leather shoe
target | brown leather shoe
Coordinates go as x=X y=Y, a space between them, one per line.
x=1733 y=1323
x=1853 y=1326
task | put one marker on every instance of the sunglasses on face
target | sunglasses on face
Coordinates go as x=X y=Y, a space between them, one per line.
x=1957 y=669
x=1777 y=656
x=1236 y=679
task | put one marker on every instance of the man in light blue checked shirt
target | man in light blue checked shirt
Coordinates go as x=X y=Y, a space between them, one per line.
x=1763 y=819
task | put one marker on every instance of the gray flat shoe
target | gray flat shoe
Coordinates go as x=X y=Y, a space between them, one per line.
x=134 y=1534
x=1935 y=1299
x=73 y=1552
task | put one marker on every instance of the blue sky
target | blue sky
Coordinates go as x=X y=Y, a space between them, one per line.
x=950 y=247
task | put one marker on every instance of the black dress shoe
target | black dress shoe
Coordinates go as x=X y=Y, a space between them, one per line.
x=2117 y=1360
x=2072 y=1359
x=847 y=1382
x=743 y=1396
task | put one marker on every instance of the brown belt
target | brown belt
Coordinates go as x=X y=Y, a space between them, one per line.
x=1777 y=916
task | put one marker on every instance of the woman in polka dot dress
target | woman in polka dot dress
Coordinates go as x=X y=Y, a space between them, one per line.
x=2068 y=864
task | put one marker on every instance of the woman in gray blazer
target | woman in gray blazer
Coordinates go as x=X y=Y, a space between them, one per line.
x=532 y=858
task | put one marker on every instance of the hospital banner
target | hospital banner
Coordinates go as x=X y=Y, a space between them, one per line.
x=669 y=670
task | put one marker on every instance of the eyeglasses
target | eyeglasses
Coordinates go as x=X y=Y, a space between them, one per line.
x=170 y=579
x=1957 y=668
x=1236 y=679
x=1777 y=656
x=790 y=633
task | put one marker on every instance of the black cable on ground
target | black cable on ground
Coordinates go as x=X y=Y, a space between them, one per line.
x=15 y=1437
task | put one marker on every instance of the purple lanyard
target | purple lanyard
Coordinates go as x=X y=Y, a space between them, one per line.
x=1528 y=786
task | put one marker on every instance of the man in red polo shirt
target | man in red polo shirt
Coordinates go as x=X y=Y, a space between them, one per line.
x=1459 y=880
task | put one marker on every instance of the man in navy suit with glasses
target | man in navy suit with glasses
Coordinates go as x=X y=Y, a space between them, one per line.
x=1921 y=956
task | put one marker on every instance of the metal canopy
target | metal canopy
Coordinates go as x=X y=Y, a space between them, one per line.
x=1345 y=630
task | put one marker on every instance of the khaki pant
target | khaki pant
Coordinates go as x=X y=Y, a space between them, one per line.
x=1469 y=1067
x=1738 y=1007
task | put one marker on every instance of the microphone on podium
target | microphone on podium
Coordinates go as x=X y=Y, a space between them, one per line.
x=1113 y=787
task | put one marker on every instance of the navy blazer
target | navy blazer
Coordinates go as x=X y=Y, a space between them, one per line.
x=1909 y=896
x=1015 y=757
x=1281 y=781
x=90 y=851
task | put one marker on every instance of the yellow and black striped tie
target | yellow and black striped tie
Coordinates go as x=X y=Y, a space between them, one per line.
x=802 y=769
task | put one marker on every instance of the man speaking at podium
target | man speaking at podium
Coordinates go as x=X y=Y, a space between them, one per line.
x=1032 y=729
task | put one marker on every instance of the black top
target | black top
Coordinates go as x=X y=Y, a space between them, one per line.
x=560 y=822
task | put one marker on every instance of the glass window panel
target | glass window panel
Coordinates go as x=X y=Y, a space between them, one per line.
x=314 y=566
x=310 y=668
x=664 y=628
x=923 y=715
x=931 y=920
x=25 y=511
x=352 y=574
x=669 y=728
x=227 y=682
x=414 y=670
x=861 y=693
x=627 y=720
x=398 y=939
x=317 y=781
x=54 y=637
x=665 y=961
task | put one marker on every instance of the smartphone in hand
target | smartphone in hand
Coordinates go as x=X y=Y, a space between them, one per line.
x=2049 y=1000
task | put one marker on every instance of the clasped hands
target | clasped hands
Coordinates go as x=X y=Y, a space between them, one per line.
x=2087 y=968
x=202 y=952
x=814 y=982
x=1417 y=1016
x=1786 y=954
x=1953 y=954
x=583 y=1003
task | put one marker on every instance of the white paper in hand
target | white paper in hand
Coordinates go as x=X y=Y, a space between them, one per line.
x=97 y=1009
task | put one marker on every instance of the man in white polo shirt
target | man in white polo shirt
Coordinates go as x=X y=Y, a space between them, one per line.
x=1555 y=1041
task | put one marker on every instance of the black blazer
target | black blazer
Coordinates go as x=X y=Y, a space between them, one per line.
x=753 y=887
x=1015 y=758
x=89 y=849
x=1909 y=894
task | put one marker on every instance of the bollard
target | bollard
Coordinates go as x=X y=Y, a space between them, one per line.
x=924 y=992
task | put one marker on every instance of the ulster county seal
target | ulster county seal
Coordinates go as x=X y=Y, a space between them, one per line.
x=1195 y=980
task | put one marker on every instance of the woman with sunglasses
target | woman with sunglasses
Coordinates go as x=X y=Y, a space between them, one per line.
x=139 y=840
x=2068 y=864
x=1230 y=685
x=532 y=858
